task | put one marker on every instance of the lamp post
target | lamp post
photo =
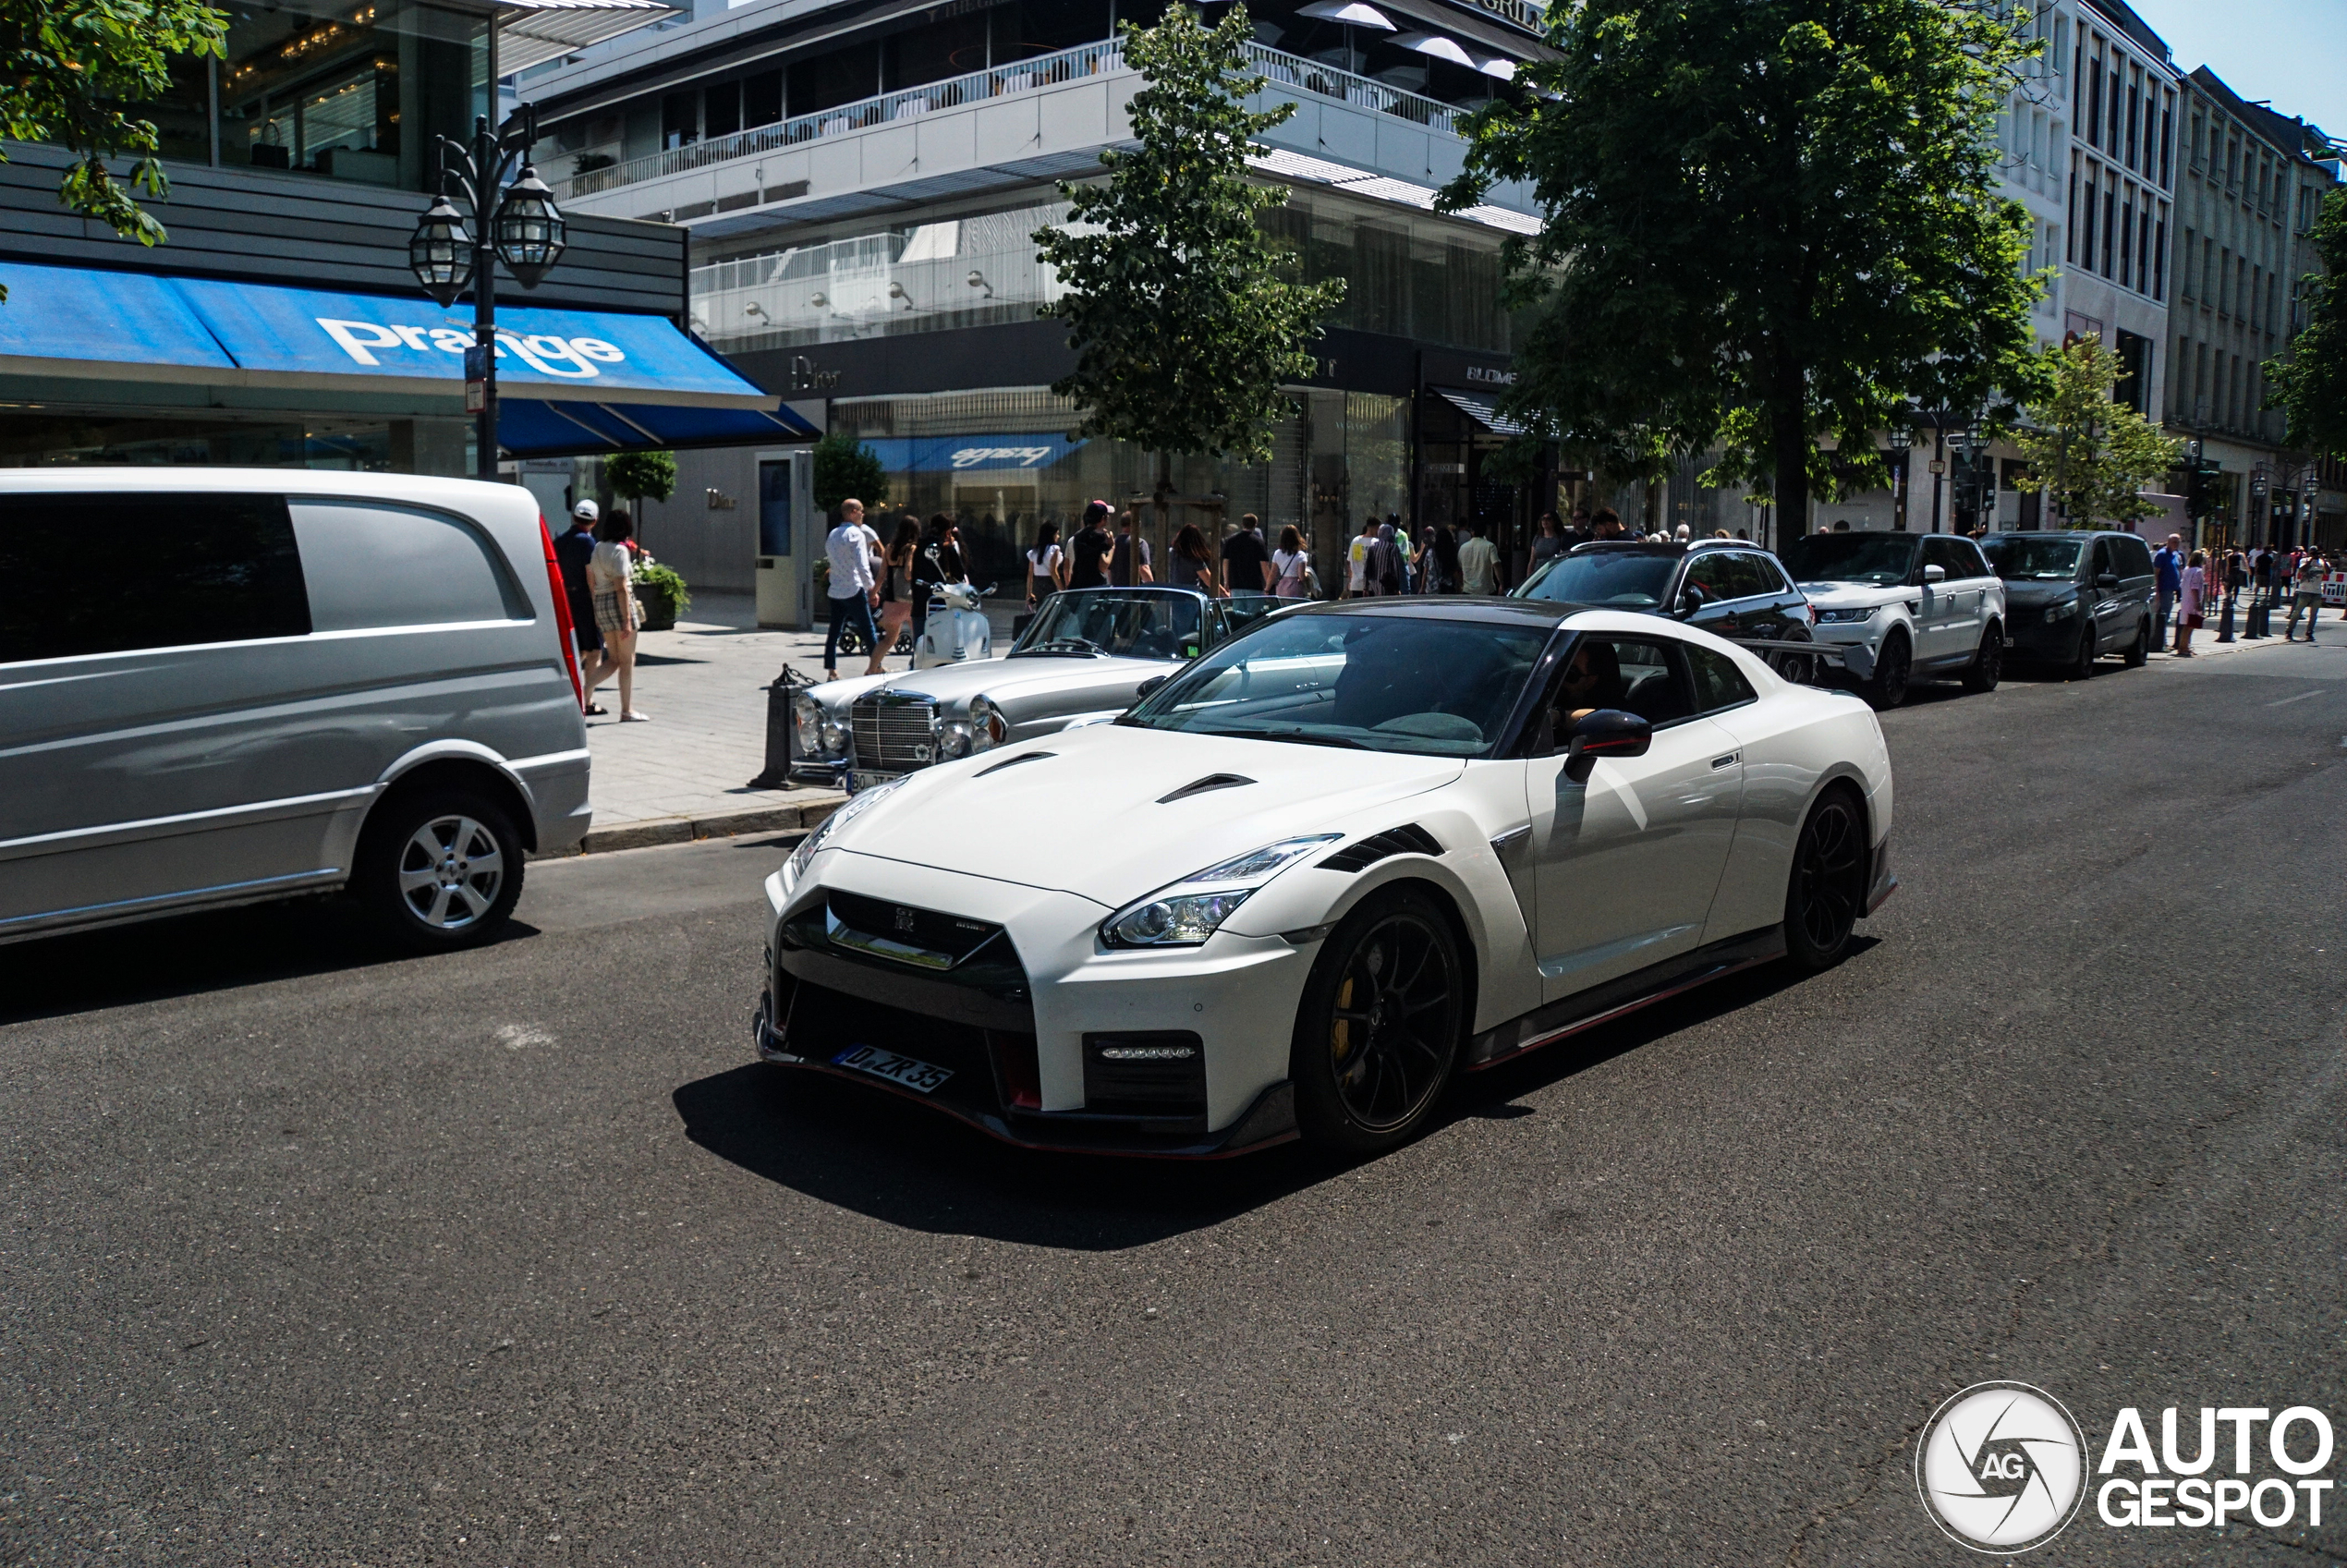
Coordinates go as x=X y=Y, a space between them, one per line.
x=514 y=220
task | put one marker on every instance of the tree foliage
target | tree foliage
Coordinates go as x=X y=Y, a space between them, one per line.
x=1184 y=319
x=2311 y=386
x=846 y=470
x=73 y=69
x=2092 y=451
x=641 y=475
x=1762 y=222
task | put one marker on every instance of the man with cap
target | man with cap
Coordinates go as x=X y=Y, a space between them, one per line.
x=1089 y=551
x=572 y=551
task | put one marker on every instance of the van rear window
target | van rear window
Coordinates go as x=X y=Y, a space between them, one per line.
x=99 y=572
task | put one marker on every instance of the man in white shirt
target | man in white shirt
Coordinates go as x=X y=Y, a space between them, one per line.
x=854 y=592
x=1479 y=564
x=1357 y=582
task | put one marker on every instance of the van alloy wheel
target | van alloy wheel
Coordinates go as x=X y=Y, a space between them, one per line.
x=450 y=872
x=439 y=867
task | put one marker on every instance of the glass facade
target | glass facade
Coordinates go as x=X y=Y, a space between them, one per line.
x=353 y=91
x=1002 y=463
x=1406 y=275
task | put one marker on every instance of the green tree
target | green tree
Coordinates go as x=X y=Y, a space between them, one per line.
x=1762 y=222
x=73 y=68
x=1185 y=323
x=847 y=470
x=641 y=475
x=2091 y=450
x=2311 y=386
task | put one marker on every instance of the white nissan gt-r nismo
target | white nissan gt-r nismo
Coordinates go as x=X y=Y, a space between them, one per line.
x=1349 y=853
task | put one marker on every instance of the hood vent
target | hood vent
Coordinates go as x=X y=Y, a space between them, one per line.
x=1200 y=786
x=1013 y=761
x=1407 y=839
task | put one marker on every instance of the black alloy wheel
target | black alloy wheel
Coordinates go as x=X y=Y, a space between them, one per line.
x=1887 y=687
x=2139 y=650
x=1987 y=666
x=1797 y=668
x=2082 y=668
x=1828 y=891
x=1380 y=1030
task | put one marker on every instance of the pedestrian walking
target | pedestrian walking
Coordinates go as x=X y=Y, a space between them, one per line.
x=2236 y=575
x=1194 y=564
x=896 y=584
x=1606 y=524
x=1549 y=540
x=1089 y=551
x=1246 y=565
x=1385 y=561
x=1290 y=566
x=1446 y=560
x=1044 y=566
x=1129 y=566
x=2168 y=569
x=854 y=592
x=572 y=551
x=611 y=582
x=1479 y=563
x=2305 y=593
x=1357 y=583
x=1423 y=563
x=2193 y=589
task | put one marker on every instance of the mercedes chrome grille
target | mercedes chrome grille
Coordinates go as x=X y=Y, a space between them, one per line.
x=893 y=732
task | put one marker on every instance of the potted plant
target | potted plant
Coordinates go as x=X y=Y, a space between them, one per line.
x=661 y=591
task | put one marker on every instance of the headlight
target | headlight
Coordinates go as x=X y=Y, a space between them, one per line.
x=819 y=735
x=1189 y=911
x=988 y=727
x=953 y=740
x=1844 y=617
x=857 y=805
x=2062 y=611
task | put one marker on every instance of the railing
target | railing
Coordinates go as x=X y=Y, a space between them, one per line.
x=1045 y=70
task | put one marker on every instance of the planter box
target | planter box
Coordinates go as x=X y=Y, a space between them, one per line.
x=660 y=610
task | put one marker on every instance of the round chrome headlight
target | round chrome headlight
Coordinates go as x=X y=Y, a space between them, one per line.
x=988 y=727
x=953 y=740
x=837 y=737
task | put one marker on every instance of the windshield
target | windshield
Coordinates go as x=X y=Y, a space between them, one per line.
x=1130 y=626
x=1882 y=559
x=1617 y=578
x=1377 y=683
x=2042 y=555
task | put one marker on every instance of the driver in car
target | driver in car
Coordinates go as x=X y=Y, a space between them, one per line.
x=1592 y=680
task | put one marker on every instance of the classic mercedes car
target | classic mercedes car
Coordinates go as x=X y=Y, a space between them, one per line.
x=1087 y=655
x=1355 y=850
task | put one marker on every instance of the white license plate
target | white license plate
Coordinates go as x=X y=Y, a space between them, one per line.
x=919 y=1077
x=858 y=783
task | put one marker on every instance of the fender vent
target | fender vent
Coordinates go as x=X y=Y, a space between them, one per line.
x=1407 y=839
x=1200 y=786
x=1013 y=761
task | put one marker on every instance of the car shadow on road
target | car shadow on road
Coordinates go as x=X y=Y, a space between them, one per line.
x=896 y=1162
x=193 y=954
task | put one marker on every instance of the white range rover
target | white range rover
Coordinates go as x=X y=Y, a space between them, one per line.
x=1903 y=607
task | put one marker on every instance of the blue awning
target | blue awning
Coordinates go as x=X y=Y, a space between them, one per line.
x=568 y=380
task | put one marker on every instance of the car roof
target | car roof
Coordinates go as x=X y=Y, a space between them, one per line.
x=2060 y=533
x=1668 y=547
x=1447 y=607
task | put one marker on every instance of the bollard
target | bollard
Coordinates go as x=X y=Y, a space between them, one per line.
x=779 y=730
x=2225 y=621
x=2261 y=623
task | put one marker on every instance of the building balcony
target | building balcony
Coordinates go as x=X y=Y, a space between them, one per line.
x=1016 y=124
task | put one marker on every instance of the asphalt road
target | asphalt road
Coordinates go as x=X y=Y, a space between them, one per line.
x=314 y=1258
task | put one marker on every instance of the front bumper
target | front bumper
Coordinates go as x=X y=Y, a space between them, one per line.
x=2028 y=634
x=1858 y=640
x=1884 y=882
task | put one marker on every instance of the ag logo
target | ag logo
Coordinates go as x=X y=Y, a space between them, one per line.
x=2002 y=1468
x=904 y=918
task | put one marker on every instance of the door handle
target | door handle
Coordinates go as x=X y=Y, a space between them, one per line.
x=1727 y=762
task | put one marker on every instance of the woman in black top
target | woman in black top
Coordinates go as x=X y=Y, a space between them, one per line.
x=1193 y=563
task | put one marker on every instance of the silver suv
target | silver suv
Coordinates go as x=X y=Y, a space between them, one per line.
x=225 y=686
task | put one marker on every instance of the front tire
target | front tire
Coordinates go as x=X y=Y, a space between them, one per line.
x=2139 y=650
x=1378 y=1032
x=1887 y=687
x=2082 y=668
x=1828 y=890
x=1988 y=664
x=440 y=869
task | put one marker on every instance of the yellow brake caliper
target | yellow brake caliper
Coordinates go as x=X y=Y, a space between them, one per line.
x=1341 y=1033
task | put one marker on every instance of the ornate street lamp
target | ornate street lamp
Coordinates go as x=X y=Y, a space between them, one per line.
x=514 y=220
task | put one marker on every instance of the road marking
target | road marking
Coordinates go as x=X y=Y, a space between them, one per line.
x=2285 y=701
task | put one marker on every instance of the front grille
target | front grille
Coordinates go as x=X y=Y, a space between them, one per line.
x=948 y=935
x=894 y=736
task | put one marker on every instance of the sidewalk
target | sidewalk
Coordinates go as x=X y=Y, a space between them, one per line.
x=686 y=774
x=2205 y=644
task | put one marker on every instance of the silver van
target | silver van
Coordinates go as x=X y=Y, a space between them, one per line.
x=223 y=686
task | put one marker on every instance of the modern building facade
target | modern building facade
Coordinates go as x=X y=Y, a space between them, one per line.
x=862 y=183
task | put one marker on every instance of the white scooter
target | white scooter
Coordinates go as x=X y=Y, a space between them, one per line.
x=956 y=631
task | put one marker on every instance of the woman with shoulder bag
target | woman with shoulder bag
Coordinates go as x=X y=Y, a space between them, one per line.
x=896 y=584
x=610 y=581
x=1291 y=568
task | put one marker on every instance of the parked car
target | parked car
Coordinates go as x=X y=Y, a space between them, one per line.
x=1354 y=851
x=1728 y=587
x=1088 y=654
x=1903 y=607
x=226 y=686
x=2072 y=597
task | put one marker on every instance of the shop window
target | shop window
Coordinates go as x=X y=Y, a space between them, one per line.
x=841 y=77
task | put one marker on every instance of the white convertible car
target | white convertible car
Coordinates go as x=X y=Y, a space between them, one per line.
x=1350 y=853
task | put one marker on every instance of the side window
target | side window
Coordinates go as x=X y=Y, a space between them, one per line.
x=2101 y=561
x=1955 y=556
x=1753 y=576
x=373 y=565
x=1718 y=682
x=1709 y=572
x=2135 y=558
x=106 y=573
x=1626 y=672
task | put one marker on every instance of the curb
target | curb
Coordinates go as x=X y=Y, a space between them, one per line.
x=684 y=829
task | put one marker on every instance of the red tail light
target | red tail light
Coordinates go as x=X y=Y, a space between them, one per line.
x=562 y=610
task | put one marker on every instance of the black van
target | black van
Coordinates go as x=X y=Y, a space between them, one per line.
x=2072 y=595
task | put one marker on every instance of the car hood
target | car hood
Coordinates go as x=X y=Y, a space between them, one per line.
x=1849 y=595
x=1089 y=818
x=2028 y=591
x=952 y=686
